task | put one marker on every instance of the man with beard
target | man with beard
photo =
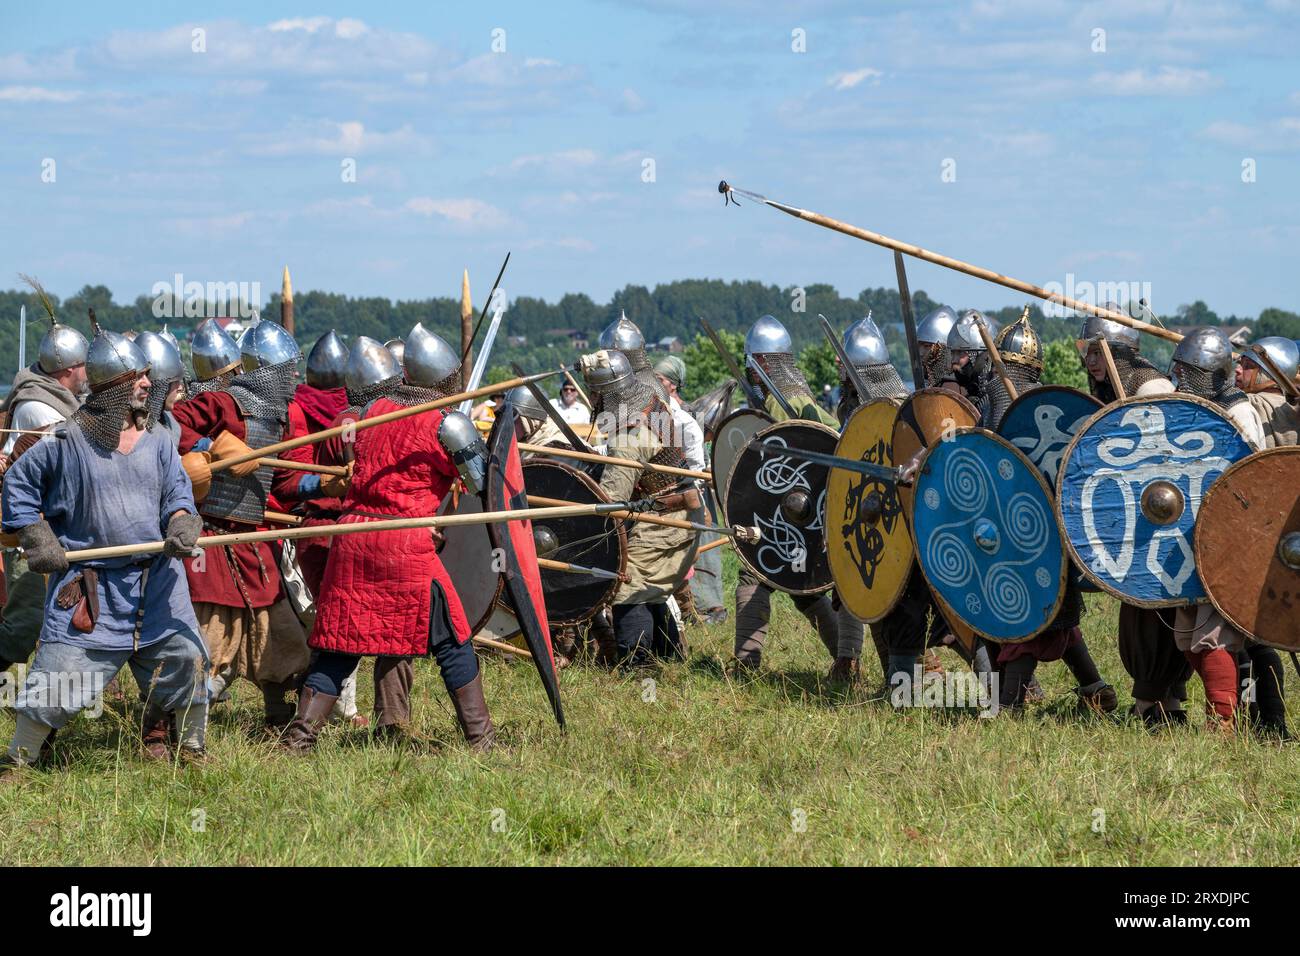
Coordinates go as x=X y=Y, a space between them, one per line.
x=251 y=629
x=371 y=373
x=387 y=593
x=1280 y=424
x=215 y=358
x=769 y=346
x=1203 y=366
x=1022 y=357
x=639 y=427
x=1146 y=645
x=109 y=479
x=932 y=342
x=972 y=367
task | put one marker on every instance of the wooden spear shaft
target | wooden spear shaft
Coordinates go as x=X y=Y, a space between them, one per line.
x=609 y=460
x=497 y=645
x=547 y=503
x=1111 y=370
x=338 y=471
x=711 y=545
x=358 y=527
x=988 y=275
x=352 y=427
x=996 y=357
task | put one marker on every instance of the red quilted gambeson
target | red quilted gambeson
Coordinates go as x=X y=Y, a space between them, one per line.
x=375 y=596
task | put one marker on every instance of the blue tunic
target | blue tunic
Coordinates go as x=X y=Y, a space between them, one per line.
x=95 y=499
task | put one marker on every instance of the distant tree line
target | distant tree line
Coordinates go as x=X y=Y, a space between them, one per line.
x=538 y=334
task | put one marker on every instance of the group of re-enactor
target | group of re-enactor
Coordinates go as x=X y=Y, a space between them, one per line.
x=113 y=445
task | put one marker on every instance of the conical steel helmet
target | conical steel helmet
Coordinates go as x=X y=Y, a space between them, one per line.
x=767 y=336
x=212 y=351
x=864 y=344
x=327 y=362
x=369 y=363
x=934 y=328
x=267 y=343
x=163 y=358
x=429 y=361
x=1115 y=333
x=112 y=358
x=622 y=334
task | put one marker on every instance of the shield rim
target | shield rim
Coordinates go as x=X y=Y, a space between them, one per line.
x=909 y=500
x=822 y=589
x=1082 y=581
x=1285 y=451
x=720 y=493
x=620 y=530
x=902 y=584
x=1069 y=452
x=942 y=602
x=476 y=626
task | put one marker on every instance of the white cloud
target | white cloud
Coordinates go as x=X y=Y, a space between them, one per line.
x=348 y=29
x=847 y=81
x=305 y=24
x=559 y=162
x=36 y=94
x=1170 y=81
x=630 y=102
x=460 y=212
x=348 y=138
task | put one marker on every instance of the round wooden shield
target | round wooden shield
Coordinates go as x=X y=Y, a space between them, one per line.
x=593 y=541
x=467 y=556
x=1128 y=490
x=1247 y=545
x=731 y=438
x=986 y=537
x=924 y=418
x=783 y=497
x=867 y=542
x=1041 y=423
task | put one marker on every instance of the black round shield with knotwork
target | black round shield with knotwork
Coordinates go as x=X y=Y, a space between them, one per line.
x=588 y=541
x=784 y=498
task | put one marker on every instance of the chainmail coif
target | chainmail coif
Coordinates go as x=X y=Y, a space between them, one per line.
x=104 y=414
x=267 y=391
x=363 y=396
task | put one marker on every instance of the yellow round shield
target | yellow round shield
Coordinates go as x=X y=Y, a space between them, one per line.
x=867 y=541
x=924 y=418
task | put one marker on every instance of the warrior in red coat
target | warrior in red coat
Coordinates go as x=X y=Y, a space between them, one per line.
x=250 y=628
x=387 y=593
x=372 y=372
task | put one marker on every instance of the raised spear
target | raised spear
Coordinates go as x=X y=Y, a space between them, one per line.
x=466 y=328
x=948 y=262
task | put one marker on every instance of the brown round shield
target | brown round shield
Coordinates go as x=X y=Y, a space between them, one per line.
x=924 y=418
x=867 y=543
x=592 y=541
x=1247 y=544
x=733 y=434
x=783 y=496
x=467 y=556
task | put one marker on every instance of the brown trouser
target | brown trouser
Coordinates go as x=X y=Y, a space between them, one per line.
x=754 y=610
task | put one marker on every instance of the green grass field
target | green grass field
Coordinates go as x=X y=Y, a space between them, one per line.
x=774 y=769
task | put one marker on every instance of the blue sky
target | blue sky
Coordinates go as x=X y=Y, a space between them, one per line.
x=1115 y=165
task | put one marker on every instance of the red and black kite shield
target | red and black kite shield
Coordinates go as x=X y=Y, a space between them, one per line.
x=505 y=492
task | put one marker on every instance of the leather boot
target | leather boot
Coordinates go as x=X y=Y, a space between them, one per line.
x=686 y=604
x=156 y=737
x=313 y=711
x=278 y=710
x=472 y=712
x=393 y=679
x=602 y=633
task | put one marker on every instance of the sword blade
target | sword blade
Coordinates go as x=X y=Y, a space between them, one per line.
x=855 y=377
x=883 y=472
x=751 y=393
x=909 y=322
x=480 y=363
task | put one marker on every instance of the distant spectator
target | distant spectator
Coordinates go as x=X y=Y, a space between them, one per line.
x=570 y=409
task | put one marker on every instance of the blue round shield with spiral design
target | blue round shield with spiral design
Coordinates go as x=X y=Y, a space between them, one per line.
x=986 y=536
